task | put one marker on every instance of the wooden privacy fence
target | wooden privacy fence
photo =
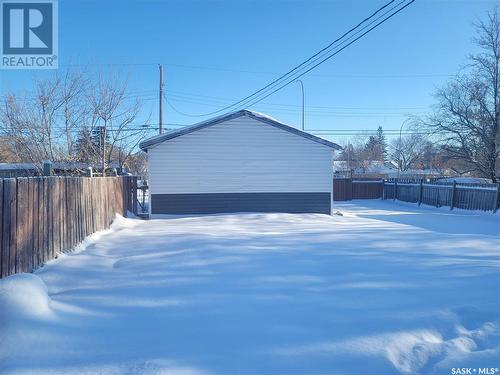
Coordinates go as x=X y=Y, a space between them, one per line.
x=483 y=197
x=346 y=189
x=43 y=216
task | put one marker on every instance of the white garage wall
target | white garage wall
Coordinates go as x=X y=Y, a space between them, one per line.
x=237 y=156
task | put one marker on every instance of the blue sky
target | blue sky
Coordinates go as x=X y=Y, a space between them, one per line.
x=215 y=53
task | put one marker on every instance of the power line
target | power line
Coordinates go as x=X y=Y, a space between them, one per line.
x=315 y=55
x=217 y=101
x=199 y=67
x=224 y=69
x=312 y=112
x=317 y=132
x=335 y=53
x=200 y=99
x=313 y=59
x=331 y=111
x=33 y=96
x=155 y=126
x=189 y=95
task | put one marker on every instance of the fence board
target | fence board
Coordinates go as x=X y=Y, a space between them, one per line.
x=52 y=218
x=62 y=210
x=1 y=231
x=22 y=244
x=9 y=219
x=36 y=215
x=81 y=210
x=367 y=189
x=469 y=197
x=55 y=203
x=31 y=234
x=346 y=189
x=342 y=189
x=43 y=216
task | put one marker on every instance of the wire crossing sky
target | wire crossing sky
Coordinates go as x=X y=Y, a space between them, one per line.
x=215 y=53
x=312 y=62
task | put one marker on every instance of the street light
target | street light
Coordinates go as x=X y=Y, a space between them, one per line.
x=303 y=106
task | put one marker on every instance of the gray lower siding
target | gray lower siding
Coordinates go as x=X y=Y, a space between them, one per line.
x=211 y=203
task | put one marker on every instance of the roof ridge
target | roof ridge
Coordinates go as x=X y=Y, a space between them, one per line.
x=148 y=143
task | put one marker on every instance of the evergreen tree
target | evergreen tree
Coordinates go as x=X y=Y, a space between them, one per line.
x=382 y=144
x=97 y=134
x=86 y=146
x=375 y=148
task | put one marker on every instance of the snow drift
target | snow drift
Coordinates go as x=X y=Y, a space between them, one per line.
x=386 y=288
x=23 y=295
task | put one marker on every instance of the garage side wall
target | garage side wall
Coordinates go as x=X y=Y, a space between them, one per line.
x=240 y=165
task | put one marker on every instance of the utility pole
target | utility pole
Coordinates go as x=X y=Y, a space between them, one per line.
x=303 y=103
x=160 y=120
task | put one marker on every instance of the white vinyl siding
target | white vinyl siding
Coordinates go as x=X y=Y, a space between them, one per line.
x=237 y=156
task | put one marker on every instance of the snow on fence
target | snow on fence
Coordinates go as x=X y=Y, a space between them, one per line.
x=43 y=216
x=483 y=197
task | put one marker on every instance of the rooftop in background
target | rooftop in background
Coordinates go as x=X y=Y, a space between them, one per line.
x=55 y=165
x=70 y=168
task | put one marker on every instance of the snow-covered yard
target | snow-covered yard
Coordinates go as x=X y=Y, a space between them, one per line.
x=387 y=288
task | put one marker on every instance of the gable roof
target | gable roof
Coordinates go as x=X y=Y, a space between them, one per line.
x=148 y=143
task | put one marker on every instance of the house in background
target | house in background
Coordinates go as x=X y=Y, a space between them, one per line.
x=239 y=162
x=59 y=168
x=380 y=169
x=364 y=169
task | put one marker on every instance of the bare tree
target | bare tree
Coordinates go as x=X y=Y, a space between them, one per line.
x=70 y=118
x=137 y=164
x=406 y=151
x=432 y=157
x=41 y=126
x=353 y=154
x=467 y=117
x=113 y=120
x=7 y=153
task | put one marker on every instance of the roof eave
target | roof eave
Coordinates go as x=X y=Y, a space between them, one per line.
x=149 y=143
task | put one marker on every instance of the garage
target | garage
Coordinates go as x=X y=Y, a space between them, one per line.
x=243 y=161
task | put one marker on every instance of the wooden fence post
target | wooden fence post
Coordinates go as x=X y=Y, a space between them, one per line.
x=22 y=226
x=395 y=195
x=420 y=193
x=36 y=221
x=45 y=223
x=9 y=226
x=383 y=189
x=50 y=216
x=452 y=198
x=135 y=194
x=2 y=254
x=31 y=225
x=497 y=196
